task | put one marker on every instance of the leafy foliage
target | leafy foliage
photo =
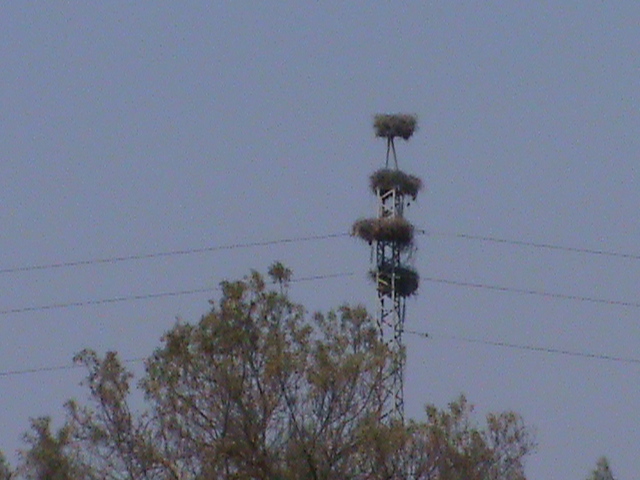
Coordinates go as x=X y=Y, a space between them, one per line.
x=602 y=471
x=5 y=470
x=47 y=458
x=256 y=390
x=449 y=445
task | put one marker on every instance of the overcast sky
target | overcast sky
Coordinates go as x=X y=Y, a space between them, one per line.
x=131 y=128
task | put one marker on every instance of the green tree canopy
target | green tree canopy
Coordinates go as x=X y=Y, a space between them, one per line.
x=5 y=471
x=602 y=470
x=258 y=389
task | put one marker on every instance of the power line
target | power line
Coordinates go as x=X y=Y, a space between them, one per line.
x=149 y=296
x=457 y=283
x=524 y=243
x=524 y=291
x=491 y=343
x=533 y=348
x=103 y=301
x=25 y=371
x=191 y=251
x=171 y=253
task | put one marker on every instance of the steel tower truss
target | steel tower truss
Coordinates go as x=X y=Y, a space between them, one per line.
x=392 y=239
x=389 y=261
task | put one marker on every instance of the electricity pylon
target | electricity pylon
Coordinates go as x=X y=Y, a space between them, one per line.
x=392 y=238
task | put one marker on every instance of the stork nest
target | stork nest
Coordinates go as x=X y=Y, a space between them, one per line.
x=386 y=179
x=386 y=229
x=406 y=280
x=395 y=125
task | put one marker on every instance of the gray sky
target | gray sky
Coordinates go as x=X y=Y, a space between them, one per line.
x=131 y=127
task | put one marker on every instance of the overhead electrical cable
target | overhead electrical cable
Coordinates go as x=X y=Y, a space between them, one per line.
x=524 y=291
x=146 y=296
x=524 y=243
x=456 y=338
x=149 y=296
x=445 y=281
x=25 y=371
x=170 y=253
x=558 y=351
x=192 y=251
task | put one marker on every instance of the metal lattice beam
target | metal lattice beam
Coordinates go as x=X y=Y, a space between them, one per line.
x=392 y=238
x=391 y=316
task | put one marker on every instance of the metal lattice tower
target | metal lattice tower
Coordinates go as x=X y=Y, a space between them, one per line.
x=392 y=238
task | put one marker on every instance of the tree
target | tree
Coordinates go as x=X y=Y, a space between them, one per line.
x=602 y=471
x=47 y=458
x=256 y=390
x=451 y=446
x=5 y=471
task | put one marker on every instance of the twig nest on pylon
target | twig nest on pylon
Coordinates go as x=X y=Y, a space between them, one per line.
x=386 y=179
x=405 y=280
x=386 y=229
x=395 y=125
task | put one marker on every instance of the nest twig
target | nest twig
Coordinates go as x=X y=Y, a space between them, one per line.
x=386 y=179
x=395 y=125
x=405 y=280
x=386 y=229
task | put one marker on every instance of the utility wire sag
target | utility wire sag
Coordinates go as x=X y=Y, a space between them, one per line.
x=533 y=348
x=191 y=251
x=542 y=245
x=445 y=281
x=150 y=296
x=171 y=253
x=525 y=291
x=25 y=371
x=490 y=343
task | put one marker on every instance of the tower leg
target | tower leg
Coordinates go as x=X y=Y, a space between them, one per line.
x=389 y=143
x=393 y=148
